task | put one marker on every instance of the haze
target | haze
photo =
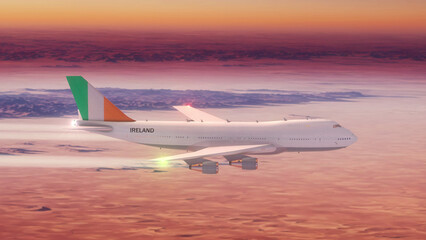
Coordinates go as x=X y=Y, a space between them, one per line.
x=56 y=183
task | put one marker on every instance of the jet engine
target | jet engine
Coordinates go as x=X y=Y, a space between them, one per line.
x=245 y=163
x=203 y=165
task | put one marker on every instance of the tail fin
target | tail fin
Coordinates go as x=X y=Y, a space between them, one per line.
x=92 y=105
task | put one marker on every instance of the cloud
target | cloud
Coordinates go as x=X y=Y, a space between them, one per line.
x=61 y=66
x=43 y=209
x=82 y=149
x=5 y=153
x=56 y=103
x=177 y=47
x=13 y=151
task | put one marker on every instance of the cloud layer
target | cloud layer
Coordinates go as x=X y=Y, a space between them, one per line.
x=56 y=103
x=83 y=47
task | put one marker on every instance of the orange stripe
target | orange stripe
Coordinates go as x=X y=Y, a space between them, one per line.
x=113 y=114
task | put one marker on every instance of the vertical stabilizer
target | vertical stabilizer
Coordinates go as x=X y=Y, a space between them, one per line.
x=92 y=105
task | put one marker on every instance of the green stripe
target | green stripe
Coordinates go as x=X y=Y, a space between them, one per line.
x=79 y=89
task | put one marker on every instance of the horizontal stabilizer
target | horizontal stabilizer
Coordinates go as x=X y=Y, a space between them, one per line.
x=94 y=128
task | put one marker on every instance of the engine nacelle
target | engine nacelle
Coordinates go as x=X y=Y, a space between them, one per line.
x=207 y=167
x=246 y=163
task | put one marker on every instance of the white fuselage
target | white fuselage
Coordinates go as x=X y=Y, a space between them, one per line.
x=291 y=135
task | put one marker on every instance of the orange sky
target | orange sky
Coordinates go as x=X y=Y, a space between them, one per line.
x=267 y=15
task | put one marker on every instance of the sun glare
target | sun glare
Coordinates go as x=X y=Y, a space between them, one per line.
x=162 y=163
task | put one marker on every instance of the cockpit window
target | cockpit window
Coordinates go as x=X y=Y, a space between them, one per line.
x=336 y=126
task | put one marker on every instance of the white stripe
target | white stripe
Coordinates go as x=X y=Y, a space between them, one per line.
x=96 y=104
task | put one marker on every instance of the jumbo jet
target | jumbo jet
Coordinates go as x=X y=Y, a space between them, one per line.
x=204 y=135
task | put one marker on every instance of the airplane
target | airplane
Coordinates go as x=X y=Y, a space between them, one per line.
x=204 y=135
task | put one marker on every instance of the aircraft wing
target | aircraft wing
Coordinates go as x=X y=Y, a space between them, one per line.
x=213 y=151
x=197 y=115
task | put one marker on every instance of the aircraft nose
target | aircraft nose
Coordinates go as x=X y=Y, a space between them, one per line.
x=354 y=138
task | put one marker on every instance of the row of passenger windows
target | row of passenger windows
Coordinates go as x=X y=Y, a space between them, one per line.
x=251 y=138
x=348 y=138
x=180 y=137
x=216 y=138
x=238 y=138
x=209 y=137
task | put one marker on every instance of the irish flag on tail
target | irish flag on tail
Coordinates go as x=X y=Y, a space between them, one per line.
x=92 y=104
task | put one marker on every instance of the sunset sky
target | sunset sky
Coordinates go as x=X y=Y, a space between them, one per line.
x=165 y=43
x=361 y=63
x=269 y=15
